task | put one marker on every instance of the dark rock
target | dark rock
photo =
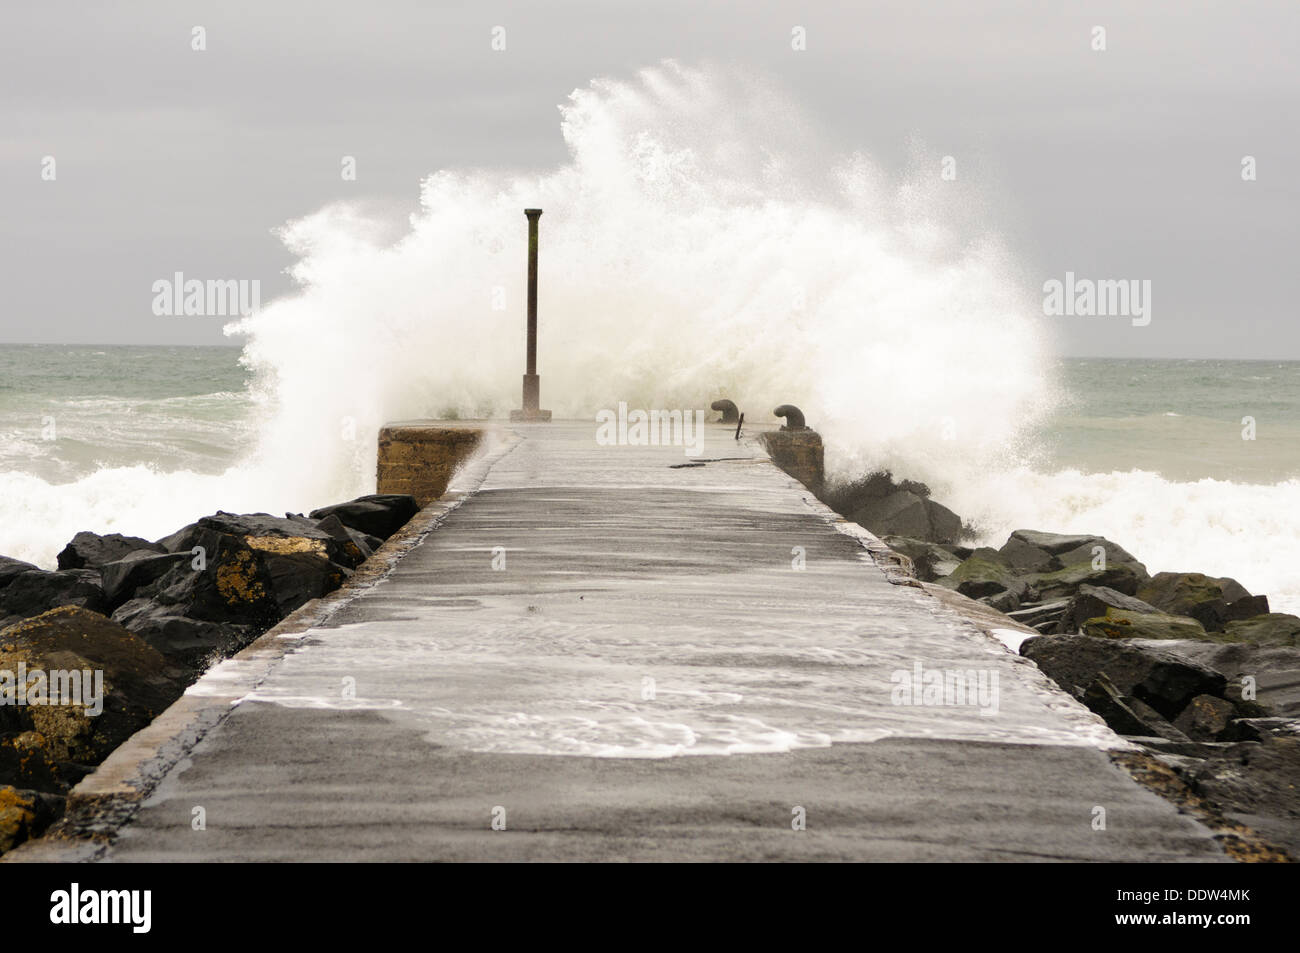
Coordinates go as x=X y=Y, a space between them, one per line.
x=91 y=549
x=71 y=773
x=1093 y=601
x=1162 y=679
x=1188 y=748
x=181 y=541
x=929 y=560
x=1233 y=591
x=1246 y=607
x=903 y=513
x=252 y=570
x=1276 y=628
x=844 y=498
x=887 y=508
x=1205 y=717
x=1271 y=673
x=1260 y=729
x=193 y=644
x=232 y=586
x=1212 y=615
x=31 y=593
x=1105 y=700
x=380 y=514
x=1255 y=783
x=11 y=569
x=945 y=525
x=1187 y=594
x=254 y=558
x=24 y=762
x=122 y=577
x=1125 y=624
x=1159 y=725
x=240 y=585
x=1126 y=715
x=272 y=534
x=1034 y=615
x=1051 y=543
x=353 y=544
x=1047 y=567
x=1025 y=557
x=1002 y=601
x=258 y=530
x=1098 y=562
x=137 y=681
x=984 y=574
x=297 y=578
x=25 y=814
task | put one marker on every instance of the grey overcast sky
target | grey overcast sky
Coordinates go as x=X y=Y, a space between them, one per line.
x=1117 y=164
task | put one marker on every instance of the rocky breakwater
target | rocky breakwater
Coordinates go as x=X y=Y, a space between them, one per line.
x=1194 y=668
x=92 y=651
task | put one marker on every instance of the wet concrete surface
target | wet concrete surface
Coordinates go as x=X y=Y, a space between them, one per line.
x=600 y=655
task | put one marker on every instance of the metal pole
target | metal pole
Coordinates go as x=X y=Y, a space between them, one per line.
x=533 y=215
x=531 y=409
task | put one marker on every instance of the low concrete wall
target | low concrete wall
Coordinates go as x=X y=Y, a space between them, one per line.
x=799 y=453
x=420 y=459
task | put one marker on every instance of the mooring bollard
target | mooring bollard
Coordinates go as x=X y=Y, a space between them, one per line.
x=730 y=412
x=532 y=383
x=793 y=417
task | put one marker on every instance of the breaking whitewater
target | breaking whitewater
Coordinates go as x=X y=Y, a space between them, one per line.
x=687 y=254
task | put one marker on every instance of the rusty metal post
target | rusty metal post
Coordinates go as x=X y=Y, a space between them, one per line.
x=531 y=409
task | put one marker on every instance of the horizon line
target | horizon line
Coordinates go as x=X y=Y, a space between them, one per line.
x=1067 y=357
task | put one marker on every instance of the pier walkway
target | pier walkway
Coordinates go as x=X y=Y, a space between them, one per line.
x=596 y=653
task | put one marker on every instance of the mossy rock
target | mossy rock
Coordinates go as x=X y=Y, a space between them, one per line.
x=1275 y=628
x=1125 y=624
x=930 y=560
x=984 y=574
x=1191 y=594
x=1066 y=582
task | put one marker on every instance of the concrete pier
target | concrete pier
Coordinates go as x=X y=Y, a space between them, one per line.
x=590 y=652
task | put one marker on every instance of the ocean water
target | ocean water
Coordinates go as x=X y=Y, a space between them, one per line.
x=69 y=411
x=143 y=439
x=1185 y=420
x=686 y=254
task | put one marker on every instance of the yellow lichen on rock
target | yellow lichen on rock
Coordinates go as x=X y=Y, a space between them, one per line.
x=95 y=662
x=23 y=815
x=287 y=545
x=237 y=580
x=17 y=813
